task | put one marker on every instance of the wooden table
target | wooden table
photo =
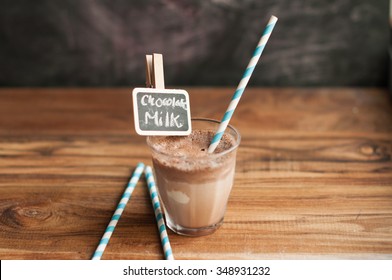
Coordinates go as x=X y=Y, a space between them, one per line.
x=313 y=177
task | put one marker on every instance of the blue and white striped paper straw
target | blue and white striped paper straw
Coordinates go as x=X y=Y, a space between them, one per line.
x=242 y=85
x=158 y=214
x=117 y=214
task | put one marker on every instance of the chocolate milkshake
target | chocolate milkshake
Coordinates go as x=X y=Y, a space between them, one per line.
x=194 y=186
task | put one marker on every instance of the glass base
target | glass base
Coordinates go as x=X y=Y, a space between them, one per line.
x=193 y=232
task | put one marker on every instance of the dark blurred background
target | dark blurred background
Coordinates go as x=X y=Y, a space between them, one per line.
x=103 y=43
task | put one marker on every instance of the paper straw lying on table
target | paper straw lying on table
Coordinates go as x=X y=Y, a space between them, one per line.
x=117 y=214
x=243 y=83
x=158 y=214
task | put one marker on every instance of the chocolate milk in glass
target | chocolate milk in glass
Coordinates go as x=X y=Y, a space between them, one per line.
x=194 y=186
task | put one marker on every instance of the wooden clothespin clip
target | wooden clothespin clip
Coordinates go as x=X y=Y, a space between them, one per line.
x=160 y=111
x=149 y=71
x=154 y=71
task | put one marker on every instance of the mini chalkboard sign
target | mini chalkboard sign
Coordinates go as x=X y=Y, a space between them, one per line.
x=160 y=111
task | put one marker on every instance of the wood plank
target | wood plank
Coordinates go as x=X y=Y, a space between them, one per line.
x=313 y=177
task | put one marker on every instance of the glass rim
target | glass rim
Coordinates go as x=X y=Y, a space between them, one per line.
x=212 y=155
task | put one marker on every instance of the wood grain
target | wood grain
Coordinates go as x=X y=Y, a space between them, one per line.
x=313 y=177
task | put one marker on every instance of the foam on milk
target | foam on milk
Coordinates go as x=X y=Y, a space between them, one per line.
x=194 y=146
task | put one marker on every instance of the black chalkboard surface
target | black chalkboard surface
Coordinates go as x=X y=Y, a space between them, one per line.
x=161 y=111
x=205 y=43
